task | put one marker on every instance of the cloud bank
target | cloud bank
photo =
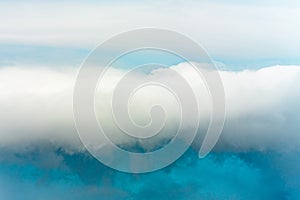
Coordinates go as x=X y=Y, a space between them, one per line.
x=262 y=107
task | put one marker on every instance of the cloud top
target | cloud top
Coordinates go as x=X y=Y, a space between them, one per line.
x=262 y=107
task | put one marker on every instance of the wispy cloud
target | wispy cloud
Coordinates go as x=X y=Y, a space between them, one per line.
x=233 y=31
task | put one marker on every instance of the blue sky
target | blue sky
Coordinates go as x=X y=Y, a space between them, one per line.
x=255 y=43
x=12 y=54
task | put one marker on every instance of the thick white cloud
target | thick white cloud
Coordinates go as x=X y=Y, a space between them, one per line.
x=262 y=106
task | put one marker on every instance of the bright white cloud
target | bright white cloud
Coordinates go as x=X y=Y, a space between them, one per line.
x=262 y=106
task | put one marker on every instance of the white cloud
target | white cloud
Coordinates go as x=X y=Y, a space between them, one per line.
x=262 y=106
x=227 y=30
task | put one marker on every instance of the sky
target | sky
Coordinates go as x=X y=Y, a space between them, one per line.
x=250 y=34
x=254 y=45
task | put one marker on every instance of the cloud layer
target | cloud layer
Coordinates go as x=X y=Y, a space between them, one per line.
x=214 y=24
x=262 y=107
